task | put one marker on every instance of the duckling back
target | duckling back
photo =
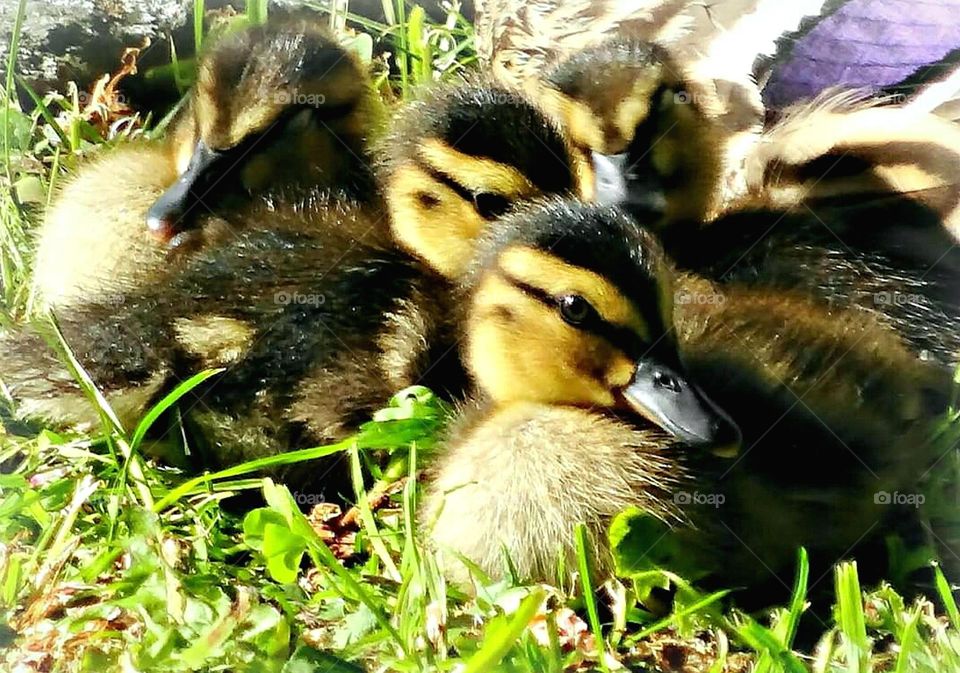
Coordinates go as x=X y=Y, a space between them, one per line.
x=887 y=256
x=315 y=317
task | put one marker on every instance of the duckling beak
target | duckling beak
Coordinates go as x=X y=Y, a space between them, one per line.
x=663 y=396
x=169 y=215
x=635 y=186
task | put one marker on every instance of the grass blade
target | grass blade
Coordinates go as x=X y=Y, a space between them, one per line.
x=669 y=620
x=496 y=647
x=168 y=401
x=766 y=641
x=257 y=11
x=198 y=12
x=908 y=640
x=851 y=621
x=366 y=516
x=44 y=110
x=946 y=595
x=787 y=629
x=249 y=467
x=8 y=90
x=583 y=560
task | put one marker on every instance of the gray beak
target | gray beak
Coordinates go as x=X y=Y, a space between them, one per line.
x=663 y=396
x=169 y=215
x=618 y=182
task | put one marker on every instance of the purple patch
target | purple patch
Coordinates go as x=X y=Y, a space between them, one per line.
x=866 y=44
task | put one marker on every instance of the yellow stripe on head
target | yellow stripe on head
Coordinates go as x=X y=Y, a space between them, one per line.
x=583 y=126
x=634 y=108
x=432 y=221
x=477 y=174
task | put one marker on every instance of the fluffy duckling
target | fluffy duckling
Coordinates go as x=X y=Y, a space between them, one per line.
x=657 y=140
x=277 y=108
x=889 y=257
x=315 y=316
x=569 y=321
x=843 y=145
x=649 y=132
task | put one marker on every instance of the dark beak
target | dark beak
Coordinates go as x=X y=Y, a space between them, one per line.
x=633 y=185
x=170 y=214
x=664 y=396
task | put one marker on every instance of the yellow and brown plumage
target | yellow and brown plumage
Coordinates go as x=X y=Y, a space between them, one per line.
x=314 y=315
x=849 y=221
x=276 y=109
x=287 y=375
x=521 y=41
x=549 y=442
x=846 y=202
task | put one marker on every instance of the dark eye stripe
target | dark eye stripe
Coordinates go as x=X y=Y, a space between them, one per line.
x=622 y=338
x=445 y=179
x=278 y=127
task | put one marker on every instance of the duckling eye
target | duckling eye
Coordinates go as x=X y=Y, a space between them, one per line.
x=490 y=205
x=574 y=309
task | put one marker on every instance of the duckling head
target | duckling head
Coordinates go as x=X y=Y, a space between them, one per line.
x=571 y=304
x=645 y=129
x=461 y=158
x=273 y=106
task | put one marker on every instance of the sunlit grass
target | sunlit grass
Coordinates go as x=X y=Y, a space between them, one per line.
x=111 y=561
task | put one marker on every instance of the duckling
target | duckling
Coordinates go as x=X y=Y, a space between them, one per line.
x=889 y=257
x=648 y=130
x=843 y=144
x=281 y=107
x=569 y=321
x=657 y=140
x=167 y=322
x=312 y=313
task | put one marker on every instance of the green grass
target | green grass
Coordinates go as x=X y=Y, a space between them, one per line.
x=110 y=561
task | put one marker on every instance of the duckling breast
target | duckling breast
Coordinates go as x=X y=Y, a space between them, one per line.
x=518 y=480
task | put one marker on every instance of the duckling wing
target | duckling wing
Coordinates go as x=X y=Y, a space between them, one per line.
x=296 y=321
x=889 y=257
